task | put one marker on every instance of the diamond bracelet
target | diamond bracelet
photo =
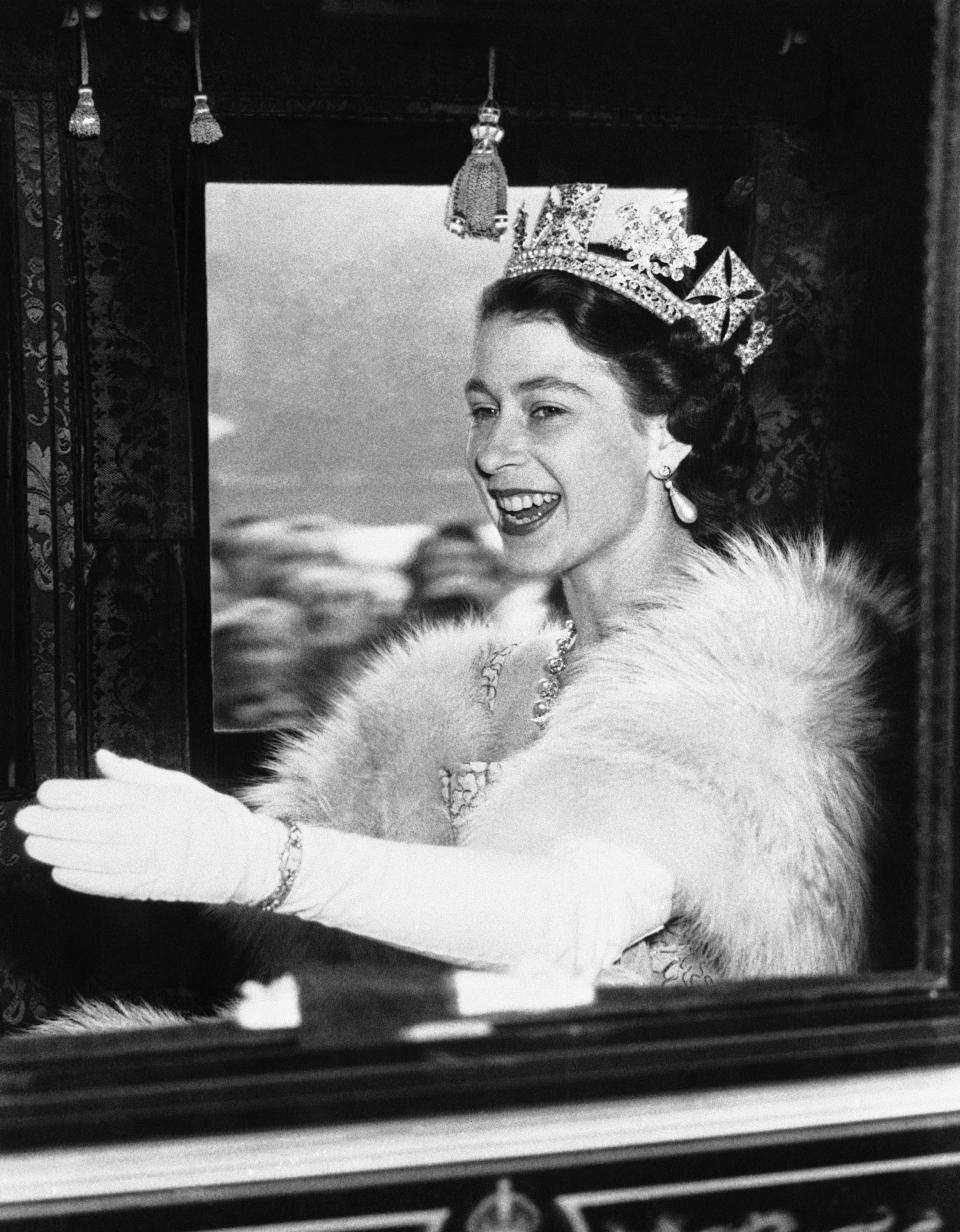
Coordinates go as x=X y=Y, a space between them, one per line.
x=290 y=858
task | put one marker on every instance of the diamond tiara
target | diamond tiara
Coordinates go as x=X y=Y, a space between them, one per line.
x=653 y=244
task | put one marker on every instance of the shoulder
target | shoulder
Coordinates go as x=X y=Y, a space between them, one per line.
x=769 y=605
x=731 y=727
x=471 y=651
x=429 y=677
x=798 y=578
x=420 y=702
x=767 y=646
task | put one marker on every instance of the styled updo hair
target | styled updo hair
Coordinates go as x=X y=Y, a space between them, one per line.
x=666 y=370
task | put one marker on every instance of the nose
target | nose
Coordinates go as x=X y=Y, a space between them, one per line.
x=498 y=443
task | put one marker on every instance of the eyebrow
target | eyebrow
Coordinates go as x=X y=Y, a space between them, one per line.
x=531 y=386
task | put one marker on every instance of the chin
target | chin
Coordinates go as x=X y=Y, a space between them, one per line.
x=527 y=562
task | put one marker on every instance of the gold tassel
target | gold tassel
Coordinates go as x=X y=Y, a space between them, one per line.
x=477 y=203
x=204 y=129
x=84 y=122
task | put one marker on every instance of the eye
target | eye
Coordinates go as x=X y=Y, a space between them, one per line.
x=546 y=410
x=479 y=413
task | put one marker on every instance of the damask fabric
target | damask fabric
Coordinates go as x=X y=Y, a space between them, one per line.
x=668 y=958
x=725 y=731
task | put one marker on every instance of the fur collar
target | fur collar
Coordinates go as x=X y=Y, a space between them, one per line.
x=726 y=727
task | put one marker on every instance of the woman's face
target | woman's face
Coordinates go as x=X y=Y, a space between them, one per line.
x=560 y=458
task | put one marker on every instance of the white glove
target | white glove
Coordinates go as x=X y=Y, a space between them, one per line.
x=142 y=832
x=146 y=833
x=574 y=908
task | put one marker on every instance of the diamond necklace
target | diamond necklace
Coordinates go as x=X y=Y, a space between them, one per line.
x=548 y=687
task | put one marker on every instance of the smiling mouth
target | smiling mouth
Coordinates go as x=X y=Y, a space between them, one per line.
x=522 y=511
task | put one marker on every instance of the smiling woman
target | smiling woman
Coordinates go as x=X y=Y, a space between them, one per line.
x=437 y=810
x=674 y=798
x=567 y=443
x=339 y=339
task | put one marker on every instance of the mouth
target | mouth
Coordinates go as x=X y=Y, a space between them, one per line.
x=523 y=511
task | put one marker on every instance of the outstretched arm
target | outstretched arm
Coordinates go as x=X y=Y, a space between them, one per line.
x=146 y=833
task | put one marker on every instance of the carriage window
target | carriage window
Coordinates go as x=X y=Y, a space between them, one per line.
x=339 y=339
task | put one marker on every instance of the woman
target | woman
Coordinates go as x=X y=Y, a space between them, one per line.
x=676 y=786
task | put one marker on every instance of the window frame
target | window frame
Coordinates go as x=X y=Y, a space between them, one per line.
x=211 y=1077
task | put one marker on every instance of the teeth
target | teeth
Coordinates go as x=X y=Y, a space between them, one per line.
x=525 y=500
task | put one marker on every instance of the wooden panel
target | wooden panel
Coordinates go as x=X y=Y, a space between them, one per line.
x=909 y=1195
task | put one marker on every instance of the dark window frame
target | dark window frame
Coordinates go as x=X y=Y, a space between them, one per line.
x=736 y=1035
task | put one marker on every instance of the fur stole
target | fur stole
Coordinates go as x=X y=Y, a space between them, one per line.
x=726 y=727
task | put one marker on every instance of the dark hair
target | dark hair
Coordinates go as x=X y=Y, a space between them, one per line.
x=666 y=370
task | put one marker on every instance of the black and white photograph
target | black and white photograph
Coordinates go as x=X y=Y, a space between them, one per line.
x=480 y=520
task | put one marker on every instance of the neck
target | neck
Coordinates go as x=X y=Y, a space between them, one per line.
x=601 y=588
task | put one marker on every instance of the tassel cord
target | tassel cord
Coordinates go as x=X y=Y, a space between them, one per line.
x=491 y=76
x=196 y=51
x=84 y=54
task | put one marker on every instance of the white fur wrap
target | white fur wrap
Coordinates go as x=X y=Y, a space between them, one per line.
x=726 y=727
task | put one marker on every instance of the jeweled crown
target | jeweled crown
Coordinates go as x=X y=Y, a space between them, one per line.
x=651 y=244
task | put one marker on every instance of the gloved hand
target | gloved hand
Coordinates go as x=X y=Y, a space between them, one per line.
x=146 y=833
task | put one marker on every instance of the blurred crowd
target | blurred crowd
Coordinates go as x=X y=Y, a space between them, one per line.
x=297 y=602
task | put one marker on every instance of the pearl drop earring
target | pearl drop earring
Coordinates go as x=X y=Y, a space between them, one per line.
x=683 y=507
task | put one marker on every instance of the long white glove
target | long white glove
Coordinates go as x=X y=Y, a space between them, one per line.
x=574 y=909
x=143 y=832
x=147 y=833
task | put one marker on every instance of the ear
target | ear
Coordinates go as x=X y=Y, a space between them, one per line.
x=665 y=449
